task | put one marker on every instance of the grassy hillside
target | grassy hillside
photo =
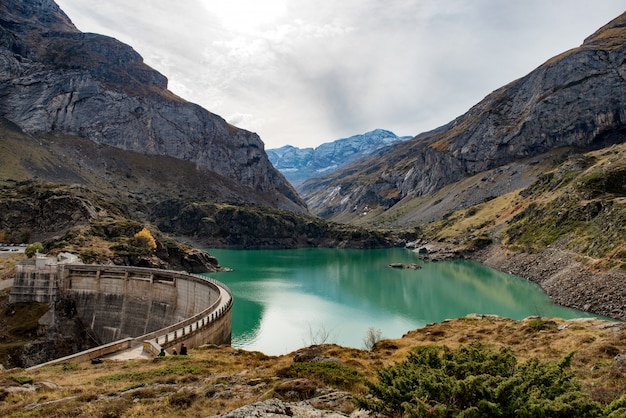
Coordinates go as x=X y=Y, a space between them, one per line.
x=213 y=380
x=574 y=200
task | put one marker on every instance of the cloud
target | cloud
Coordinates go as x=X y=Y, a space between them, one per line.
x=304 y=72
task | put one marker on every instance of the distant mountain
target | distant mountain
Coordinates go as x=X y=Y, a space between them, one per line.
x=575 y=99
x=301 y=164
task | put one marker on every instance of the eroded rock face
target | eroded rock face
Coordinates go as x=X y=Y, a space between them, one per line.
x=55 y=79
x=575 y=99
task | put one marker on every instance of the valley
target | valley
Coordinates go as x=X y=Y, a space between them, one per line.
x=94 y=149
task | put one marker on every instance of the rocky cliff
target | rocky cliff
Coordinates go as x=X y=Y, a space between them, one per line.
x=301 y=164
x=55 y=79
x=575 y=99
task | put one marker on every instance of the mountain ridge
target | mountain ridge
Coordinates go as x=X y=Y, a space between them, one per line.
x=574 y=99
x=301 y=164
x=56 y=79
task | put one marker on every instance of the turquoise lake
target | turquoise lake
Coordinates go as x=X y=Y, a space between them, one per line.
x=288 y=299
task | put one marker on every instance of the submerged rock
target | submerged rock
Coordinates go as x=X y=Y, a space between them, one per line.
x=404 y=266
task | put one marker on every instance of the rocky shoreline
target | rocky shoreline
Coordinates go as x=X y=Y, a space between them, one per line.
x=567 y=280
x=560 y=273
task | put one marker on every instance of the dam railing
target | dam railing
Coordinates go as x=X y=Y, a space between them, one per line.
x=172 y=335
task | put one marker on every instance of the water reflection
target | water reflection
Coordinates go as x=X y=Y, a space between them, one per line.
x=286 y=299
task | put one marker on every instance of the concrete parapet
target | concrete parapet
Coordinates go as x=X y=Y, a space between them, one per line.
x=214 y=324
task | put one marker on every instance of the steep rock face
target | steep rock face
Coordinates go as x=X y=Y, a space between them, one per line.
x=228 y=226
x=575 y=99
x=54 y=78
x=301 y=164
x=43 y=212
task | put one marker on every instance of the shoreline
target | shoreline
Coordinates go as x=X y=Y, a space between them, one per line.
x=566 y=280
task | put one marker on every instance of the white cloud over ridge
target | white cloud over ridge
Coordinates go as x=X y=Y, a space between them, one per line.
x=305 y=72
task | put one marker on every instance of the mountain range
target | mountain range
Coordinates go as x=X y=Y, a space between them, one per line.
x=531 y=180
x=575 y=99
x=92 y=140
x=301 y=164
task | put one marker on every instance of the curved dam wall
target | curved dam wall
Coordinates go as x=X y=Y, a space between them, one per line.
x=118 y=302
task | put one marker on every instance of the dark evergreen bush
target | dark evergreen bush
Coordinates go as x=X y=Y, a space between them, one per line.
x=477 y=381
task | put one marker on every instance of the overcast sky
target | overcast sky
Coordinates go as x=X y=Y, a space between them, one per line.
x=305 y=72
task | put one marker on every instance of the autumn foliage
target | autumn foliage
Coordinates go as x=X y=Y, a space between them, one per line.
x=145 y=237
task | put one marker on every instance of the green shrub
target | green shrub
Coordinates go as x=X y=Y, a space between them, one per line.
x=477 y=381
x=617 y=408
x=32 y=249
x=69 y=367
x=23 y=380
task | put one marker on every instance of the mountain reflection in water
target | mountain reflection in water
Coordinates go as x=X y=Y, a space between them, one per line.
x=288 y=299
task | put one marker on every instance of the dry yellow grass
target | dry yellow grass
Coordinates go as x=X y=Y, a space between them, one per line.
x=214 y=380
x=7 y=263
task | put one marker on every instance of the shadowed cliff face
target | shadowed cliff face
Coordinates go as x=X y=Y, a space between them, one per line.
x=55 y=79
x=575 y=99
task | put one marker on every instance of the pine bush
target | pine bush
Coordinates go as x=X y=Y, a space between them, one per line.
x=477 y=381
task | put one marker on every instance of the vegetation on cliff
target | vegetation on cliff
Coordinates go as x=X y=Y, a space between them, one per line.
x=582 y=203
x=579 y=205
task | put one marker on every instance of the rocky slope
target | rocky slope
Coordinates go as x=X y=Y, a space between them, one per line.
x=55 y=79
x=575 y=99
x=301 y=164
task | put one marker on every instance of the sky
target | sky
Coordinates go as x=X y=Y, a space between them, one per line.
x=306 y=72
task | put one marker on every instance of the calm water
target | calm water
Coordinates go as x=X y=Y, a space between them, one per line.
x=288 y=299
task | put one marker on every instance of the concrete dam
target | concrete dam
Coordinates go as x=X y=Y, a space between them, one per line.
x=129 y=307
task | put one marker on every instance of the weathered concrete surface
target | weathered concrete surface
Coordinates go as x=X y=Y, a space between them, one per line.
x=117 y=305
x=34 y=283
x=120 y=302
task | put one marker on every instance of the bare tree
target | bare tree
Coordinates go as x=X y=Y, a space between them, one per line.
x=372 y=336
x=319 y=336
